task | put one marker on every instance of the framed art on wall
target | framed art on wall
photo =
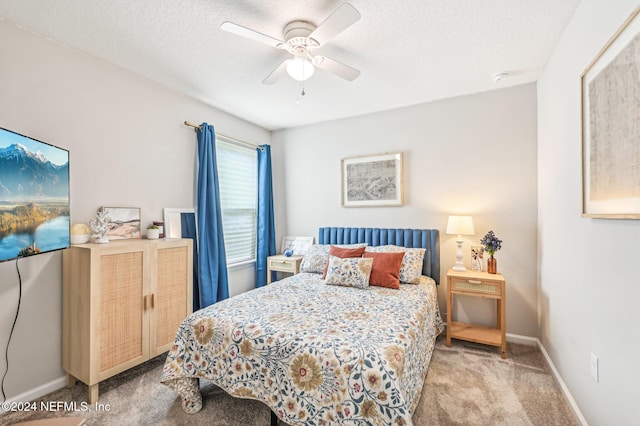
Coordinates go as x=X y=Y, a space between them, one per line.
x=610 y=127
x=372 y=181
x=124 y=223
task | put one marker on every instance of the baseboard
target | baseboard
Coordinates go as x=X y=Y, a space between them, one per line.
x=40 y=391
x=523 y=340
x=565 y=390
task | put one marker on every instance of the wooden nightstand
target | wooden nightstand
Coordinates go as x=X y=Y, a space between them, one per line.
x=282 y=263
x=478 y=284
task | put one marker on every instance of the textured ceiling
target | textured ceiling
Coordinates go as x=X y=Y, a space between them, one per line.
x=408 y=51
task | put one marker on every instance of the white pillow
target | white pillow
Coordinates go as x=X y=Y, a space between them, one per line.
x=411 y=268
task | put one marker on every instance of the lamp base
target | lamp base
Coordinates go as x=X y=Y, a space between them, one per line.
x=459 y=266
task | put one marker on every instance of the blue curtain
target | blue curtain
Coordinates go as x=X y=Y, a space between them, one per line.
x=266 y=237
x=188 y=230
x=212 y=260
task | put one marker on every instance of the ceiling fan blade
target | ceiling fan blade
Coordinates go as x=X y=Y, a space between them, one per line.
x=341 y=19
x=251 y=34
x=277 y=74
x=338 y=68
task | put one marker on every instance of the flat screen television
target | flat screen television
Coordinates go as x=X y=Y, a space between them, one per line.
x=34 y=196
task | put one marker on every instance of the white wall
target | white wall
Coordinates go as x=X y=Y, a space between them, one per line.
x=128 y=147
x=474 y=154
x=588 y=267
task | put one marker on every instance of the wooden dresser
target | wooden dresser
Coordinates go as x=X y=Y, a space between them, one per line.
x=122 y=303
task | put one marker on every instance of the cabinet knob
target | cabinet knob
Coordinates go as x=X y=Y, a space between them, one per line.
x=474 y=282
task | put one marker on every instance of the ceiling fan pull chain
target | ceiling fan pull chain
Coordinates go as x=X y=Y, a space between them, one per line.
x=300 y=92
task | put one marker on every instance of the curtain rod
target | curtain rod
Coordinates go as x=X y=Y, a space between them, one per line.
x=238 y=141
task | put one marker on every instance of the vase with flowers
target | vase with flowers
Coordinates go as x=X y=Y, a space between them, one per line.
x=491 y=244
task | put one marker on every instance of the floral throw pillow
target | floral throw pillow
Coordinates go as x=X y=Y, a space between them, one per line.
x=315 y=258
x=349 y=272
x=411 y=269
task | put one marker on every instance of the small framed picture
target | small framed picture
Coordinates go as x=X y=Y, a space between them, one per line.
x=477 y=254
x=299 y=245
x=124 y=223
x=173 y=220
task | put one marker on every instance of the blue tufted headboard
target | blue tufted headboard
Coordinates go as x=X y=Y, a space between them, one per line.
x=411 y=238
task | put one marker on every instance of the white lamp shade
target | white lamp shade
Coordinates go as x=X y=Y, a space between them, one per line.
x=300 y=68
x=460 y=225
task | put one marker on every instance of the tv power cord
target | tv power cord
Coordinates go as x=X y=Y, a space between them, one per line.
x=13 y=326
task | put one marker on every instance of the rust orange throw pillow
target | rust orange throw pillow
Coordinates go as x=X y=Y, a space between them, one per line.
x=342 y=253
x=385 y=271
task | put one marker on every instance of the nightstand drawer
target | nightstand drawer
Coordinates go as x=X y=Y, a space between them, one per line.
x=283 y=265
x=472 y=285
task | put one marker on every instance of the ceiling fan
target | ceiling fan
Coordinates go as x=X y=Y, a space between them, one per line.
x=302 y=39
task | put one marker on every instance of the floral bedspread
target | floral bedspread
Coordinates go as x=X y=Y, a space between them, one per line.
x=315 y=354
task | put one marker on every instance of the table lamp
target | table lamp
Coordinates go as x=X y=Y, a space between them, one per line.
x=460 y=225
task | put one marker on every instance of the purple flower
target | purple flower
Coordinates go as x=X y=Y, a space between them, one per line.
x=491 y=243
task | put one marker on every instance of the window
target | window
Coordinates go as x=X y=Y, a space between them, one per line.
x=238 y=175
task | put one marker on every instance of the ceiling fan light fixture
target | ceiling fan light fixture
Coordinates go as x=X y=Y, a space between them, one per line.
x=300 y=68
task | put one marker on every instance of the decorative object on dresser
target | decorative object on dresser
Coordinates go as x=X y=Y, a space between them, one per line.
x=610 y=180
x=484 y=285
x=160 y=225
x=460 y=225
x=371 y=181
x=283 y=263
x=99 y=226
x=80 y=233
x=121 y=305
x=491 y=245
x=173 y=220
x=153 y=232
x=124 y=223
x=477 y=258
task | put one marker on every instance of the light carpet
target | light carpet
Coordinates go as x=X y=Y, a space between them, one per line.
x=467 y=384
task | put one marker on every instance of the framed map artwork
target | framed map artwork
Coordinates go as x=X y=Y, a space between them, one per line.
x=611 y=129
x=372 y=181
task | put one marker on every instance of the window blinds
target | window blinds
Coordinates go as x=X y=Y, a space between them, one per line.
x=238 y=175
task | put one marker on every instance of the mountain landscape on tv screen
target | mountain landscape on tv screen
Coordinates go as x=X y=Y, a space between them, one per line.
x=27 y=175
x=34 y=201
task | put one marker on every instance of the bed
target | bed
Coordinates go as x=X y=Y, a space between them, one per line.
x=317 y=353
